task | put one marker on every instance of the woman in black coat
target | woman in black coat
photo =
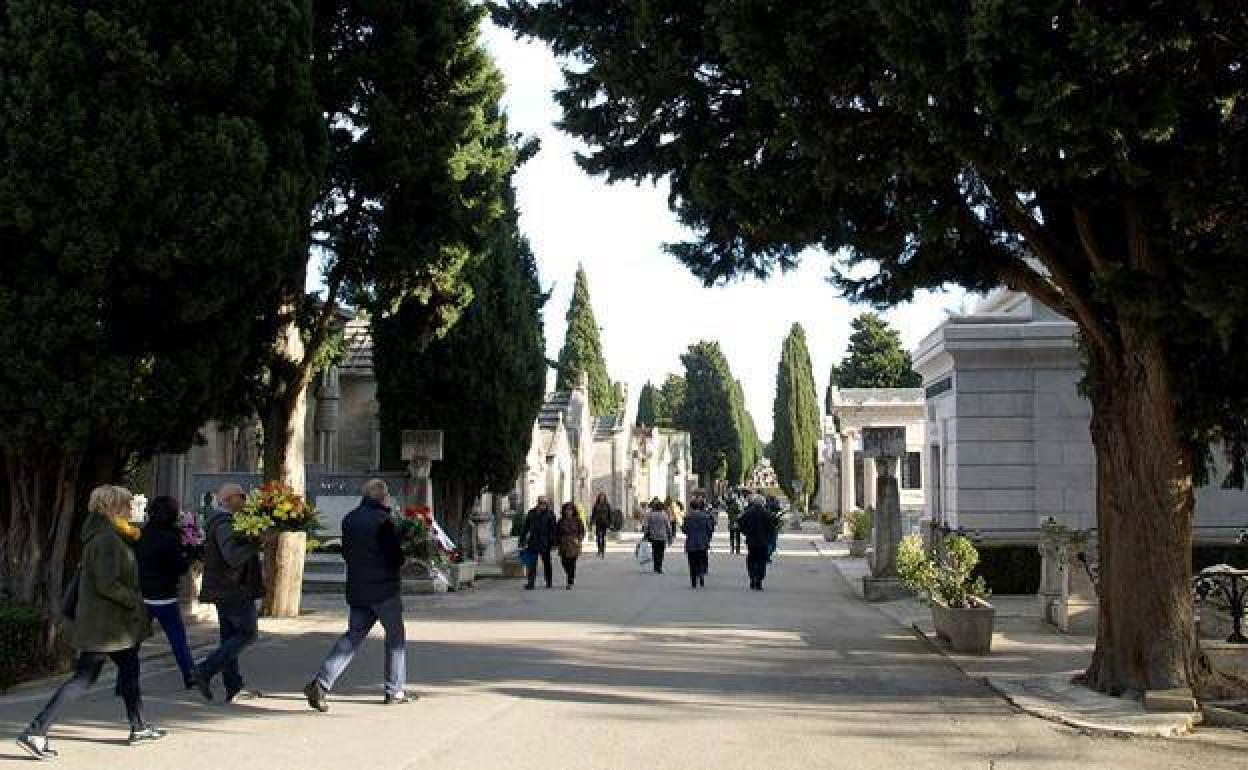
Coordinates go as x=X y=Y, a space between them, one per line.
x=163 y=560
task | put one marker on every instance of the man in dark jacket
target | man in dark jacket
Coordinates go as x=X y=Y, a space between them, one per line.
x=374 y=555
x=539 y=533
x=734 y=522
x=601 y=519
x=757 y=525
x=232 y=582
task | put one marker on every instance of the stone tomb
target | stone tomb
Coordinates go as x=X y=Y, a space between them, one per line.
x=883 y=446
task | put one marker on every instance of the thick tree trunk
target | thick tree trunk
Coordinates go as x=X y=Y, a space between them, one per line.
x=1145 y=503
x=285 y=415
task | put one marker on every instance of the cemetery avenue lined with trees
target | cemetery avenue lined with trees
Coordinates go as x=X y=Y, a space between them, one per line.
x=265 y=265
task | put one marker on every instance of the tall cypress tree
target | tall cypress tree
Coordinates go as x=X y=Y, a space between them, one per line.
x=582 y=351
x=647 y=406
x=482 y=383
x=712 y=413
x=795 y=416
x=874 y=359
x=157 y=165
x=751 y=447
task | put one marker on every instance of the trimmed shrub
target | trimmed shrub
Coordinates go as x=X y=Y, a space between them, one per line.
x=22 y=653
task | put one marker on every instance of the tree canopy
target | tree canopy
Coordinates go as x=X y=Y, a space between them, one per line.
x=874 y=359
x=157 y=166
x=713 y=414
x=582 y=352
x=1094 y=156
x=796 y=419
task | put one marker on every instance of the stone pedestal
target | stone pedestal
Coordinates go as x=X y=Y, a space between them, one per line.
x=1077 y=607
x=887 y=529
x=1049 y=594
x=885 y=589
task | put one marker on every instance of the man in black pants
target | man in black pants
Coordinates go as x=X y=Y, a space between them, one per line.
x=734 y=523
x=538 y=533
x=757 y=525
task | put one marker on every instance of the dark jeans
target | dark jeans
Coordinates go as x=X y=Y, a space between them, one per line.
x=169 y=616
x=569 y=568
x=360 y=620
x=87 y=669
x=600 y=535
x=756 y=564
x=734 y=540
x=548 y=569
x=658 y=546
x=698 y=563
x=237 y=620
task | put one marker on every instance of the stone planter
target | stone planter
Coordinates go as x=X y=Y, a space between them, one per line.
x=966 y=629
x=189 y=586
x=283 y=574
x=462 y=574
x=858 y=548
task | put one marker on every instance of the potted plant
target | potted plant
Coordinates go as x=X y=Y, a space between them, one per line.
x=961 y=613
x=462 y=572
x=860 y=532
x=827 y=521
x=191 y=536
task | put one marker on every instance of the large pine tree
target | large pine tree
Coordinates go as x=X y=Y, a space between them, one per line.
x=1089 y=154
x=795 y=419
x=874 y=359
x=157 y=165
x=647 y=406
x=582 y=351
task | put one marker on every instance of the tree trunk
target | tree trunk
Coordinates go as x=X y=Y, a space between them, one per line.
x=1145 y=504
x=285 y=414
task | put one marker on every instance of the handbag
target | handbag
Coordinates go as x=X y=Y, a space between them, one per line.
x=69 y=605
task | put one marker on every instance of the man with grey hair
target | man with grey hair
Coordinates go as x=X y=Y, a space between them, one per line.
x=374 y=555
x=233 y=583
x=757 y=525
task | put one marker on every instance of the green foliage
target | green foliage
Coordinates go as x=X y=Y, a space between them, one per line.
x=860 y=524
x=157 y=165
x=796 y=419
x=482 y=383
x=751 y=448
x=1093 y=156
x=875 y=359
x=712 y=413
x=582 y=351
x=946 y=577
x=647 y=406
x=23 y=645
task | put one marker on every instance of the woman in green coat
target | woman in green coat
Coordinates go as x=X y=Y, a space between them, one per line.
x=109 y=620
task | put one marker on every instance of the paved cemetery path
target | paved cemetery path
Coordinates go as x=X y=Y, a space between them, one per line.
x=630 y=670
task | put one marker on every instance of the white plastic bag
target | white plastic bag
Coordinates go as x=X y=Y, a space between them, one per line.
x=645 y=552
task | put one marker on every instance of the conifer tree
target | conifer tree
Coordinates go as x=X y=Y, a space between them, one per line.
x=157 y=165
x=712 y=412
x=874 y=359
x=647 y=408
x=795 y=419
x=582 y=351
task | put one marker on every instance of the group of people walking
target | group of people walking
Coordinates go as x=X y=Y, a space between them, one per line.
x=541 y=533
x=129 y=577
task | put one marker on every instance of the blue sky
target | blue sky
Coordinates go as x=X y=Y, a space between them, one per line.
x=649 y=307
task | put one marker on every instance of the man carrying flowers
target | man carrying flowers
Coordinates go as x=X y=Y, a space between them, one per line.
x=232 y=582
x=374 y=555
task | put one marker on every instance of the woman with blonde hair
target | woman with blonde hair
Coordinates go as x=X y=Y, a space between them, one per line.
x=107 y=620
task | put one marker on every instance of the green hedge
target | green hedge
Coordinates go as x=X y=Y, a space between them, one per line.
x=1009 y=569
x=22 y=652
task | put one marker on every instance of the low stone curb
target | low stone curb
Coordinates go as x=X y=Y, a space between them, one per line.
x=1056 y=699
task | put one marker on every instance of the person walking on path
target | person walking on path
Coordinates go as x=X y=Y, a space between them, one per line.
x=374 y=556
x=107 y=618
x=757 y=526
x=539 y=533
x=601 y=520
x=699 y=527
x=734 y=523
x=163 y=560
x=232 y=582
x=571 y=531
x=658 y=530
